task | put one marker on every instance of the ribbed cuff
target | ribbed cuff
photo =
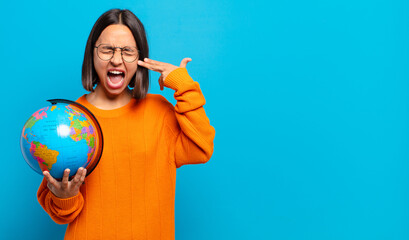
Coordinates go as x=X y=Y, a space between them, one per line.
x=177 y=78
x=66 y=203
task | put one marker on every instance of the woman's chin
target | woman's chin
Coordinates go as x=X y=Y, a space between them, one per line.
x=114 y=92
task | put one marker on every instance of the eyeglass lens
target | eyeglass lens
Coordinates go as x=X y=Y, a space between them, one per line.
x=106 y=52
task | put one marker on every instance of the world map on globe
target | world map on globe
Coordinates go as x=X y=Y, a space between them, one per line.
x=58 y=137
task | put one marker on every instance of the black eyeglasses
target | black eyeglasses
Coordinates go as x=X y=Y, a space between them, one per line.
x=106 y=52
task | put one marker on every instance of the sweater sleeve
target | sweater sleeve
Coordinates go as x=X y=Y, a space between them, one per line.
x=194 y=135
x=62 y=211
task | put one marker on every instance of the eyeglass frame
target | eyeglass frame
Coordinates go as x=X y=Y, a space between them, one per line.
x=114 y=50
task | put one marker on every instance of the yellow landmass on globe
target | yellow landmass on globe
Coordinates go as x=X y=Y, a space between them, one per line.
x=84 y=123
x=48 y=156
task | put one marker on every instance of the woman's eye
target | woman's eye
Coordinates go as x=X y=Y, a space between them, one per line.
x=129 y=53
x=105 y=49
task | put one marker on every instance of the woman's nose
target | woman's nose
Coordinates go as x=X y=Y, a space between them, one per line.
x=117 y=57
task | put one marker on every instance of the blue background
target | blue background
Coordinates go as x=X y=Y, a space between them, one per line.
x=309 y=100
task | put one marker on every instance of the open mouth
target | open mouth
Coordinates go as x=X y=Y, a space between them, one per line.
x=115 y=78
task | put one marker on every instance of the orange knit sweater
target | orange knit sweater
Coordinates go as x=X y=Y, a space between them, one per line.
x=131 y=193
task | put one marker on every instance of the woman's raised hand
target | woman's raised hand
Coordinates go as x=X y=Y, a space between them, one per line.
x=163 y=68
x=66 y=188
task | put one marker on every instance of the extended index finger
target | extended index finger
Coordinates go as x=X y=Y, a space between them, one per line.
x=152 y=64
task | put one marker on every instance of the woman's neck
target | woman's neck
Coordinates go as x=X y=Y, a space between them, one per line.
x=99 y=99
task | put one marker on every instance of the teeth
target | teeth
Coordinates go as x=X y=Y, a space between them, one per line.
x=115 y=72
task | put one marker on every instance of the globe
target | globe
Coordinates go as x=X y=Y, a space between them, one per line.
x=60 y=136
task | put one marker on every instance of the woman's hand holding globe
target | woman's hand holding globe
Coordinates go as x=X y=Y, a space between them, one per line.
x=66 y=188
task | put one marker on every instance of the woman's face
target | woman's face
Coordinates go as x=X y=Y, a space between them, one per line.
x=115 y=74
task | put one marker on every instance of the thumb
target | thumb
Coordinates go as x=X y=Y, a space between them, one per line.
x=184 y=62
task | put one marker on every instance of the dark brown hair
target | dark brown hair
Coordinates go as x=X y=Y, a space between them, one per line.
x=140 y=82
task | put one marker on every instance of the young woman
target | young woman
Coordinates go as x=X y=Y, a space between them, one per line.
x=131 y=193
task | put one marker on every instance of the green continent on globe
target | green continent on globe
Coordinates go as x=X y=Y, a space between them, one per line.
x=81 y=130
x=45 y=156
x=31 y=121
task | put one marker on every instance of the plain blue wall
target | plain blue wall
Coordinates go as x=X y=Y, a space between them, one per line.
x=310 y=101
